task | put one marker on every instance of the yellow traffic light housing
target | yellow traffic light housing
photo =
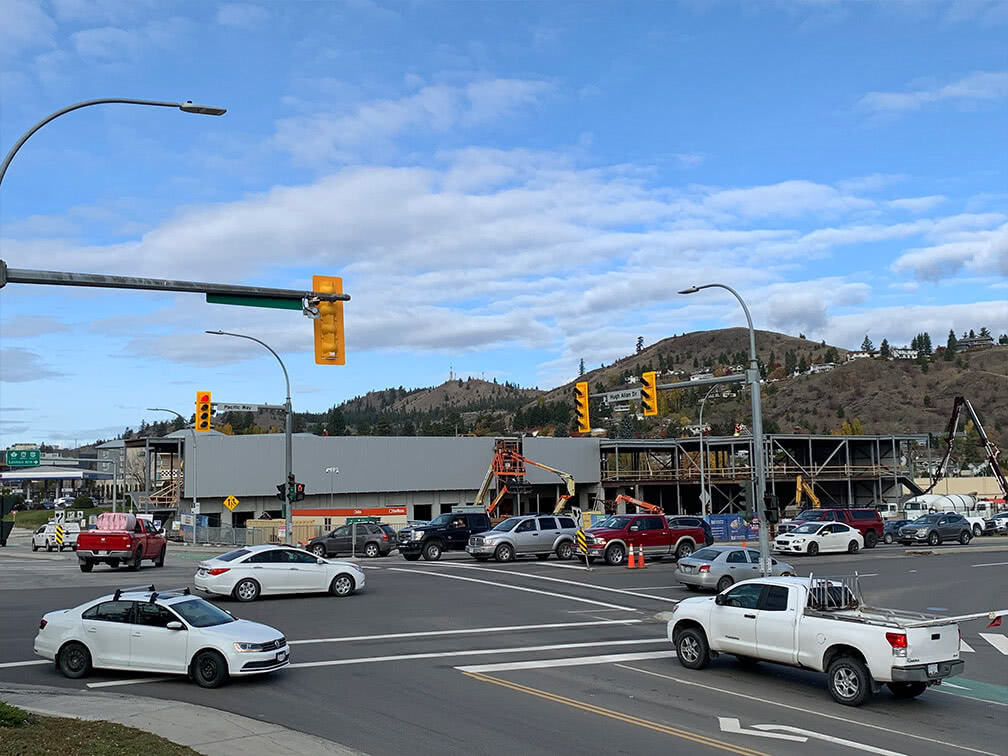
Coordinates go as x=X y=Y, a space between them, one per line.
x=581 y=405
x=203 y=411
x=329 y=326
x=649 y=394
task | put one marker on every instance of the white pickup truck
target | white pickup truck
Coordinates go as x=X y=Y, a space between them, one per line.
x=821 y=624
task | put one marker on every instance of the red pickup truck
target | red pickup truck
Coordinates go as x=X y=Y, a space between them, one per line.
x=612 y=537
x=120 y=539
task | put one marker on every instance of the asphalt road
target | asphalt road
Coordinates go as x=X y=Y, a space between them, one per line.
x=456 y=657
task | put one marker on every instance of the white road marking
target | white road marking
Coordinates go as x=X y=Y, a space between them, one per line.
x=137 y=681
x=471 y=630
x=970 y=698
x=623 y=591
x=475 y=652
x=26 y=663
x=574 y=661
x=990 y=564
x=658 y=587
x=830 y=739
x=964 y=646
x=815 y=712
x=950 y=685
x=563 y=566
x=515 y=588
x=1000 y=642
x=732 y=725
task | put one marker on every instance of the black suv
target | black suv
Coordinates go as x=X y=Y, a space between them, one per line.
x=447 y=532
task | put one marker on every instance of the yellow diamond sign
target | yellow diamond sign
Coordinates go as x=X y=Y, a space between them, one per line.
x=231 y=502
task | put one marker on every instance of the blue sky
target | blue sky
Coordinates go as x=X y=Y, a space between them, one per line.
x=506 y=188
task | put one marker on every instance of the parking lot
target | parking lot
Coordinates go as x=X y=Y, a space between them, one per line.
x=456 y=657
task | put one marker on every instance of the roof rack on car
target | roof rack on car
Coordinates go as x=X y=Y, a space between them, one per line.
x=120 y=591
x=169 y=592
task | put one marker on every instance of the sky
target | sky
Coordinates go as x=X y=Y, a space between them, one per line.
x=506 y=188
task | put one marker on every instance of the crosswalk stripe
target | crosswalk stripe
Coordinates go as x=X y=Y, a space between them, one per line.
x=966 y=647
x=1000 y=642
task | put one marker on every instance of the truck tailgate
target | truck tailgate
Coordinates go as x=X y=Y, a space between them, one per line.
x=931 y=644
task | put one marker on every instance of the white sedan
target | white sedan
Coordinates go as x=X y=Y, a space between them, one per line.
x=814 y=537
x=167 y=632
x=254 y=571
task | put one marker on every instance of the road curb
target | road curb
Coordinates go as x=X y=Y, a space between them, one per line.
x=209 y=731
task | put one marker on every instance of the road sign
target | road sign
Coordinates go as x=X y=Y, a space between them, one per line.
x=351 y=520
x=23 y=457
x=281 y=533
x=705 y=498
x=187 y=519
x=621 y=396
x=59 y=516
x=59 y=535
x=244 y=407
x=231 y=502
x=195 y=508
x=582 y=541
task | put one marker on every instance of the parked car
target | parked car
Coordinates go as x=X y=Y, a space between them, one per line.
x=170 y=632
x=998 y=524
x=393 y=537
x=66 y=500
x=814 y=537
x=718 y=567
x=933 y=529
x=45 y=537
x=679 y=522
x=541 y=535
x=868 y=522
x=611 y=538
x=48 y=504
x=370 y=541
x=891 y=531
x=121 y=538
x=446 y=532
x=248 y=573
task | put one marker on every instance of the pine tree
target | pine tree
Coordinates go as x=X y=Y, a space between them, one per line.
x=928 y=350
x=581 y=369
x=802 y=365
x=950 y=345
x=866 y=345
x=984 y=333
x=884 y=351
x=640 y=344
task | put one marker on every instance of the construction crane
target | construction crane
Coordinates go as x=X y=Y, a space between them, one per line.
x=509 y=464
x=953 y=427
x=652 y=508
x=802 y=486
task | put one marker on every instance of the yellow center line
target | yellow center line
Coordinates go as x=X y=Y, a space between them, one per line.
x=628 y=718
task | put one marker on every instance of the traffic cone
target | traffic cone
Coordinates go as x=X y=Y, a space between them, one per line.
x=630 y=563
x=640 y=557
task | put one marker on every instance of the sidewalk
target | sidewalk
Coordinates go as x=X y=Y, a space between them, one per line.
x=209 y=731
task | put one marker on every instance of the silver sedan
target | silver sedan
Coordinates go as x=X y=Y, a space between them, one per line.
x=718 y=567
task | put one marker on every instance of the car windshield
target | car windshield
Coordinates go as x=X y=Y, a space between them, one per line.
x=810 y=514
x=615 y=522
x=708 y=555
x=508 y=525
x=232 y=555
x=200 y=613
x=927 y=519
x=443 y=519
x=809 y=529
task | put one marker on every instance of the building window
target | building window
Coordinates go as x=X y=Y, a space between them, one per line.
x=328 y=523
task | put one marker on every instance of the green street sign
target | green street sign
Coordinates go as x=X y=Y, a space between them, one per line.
x=276 y=303
x=351 y=520
x=24 y=457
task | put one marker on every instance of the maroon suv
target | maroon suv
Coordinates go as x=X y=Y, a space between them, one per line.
x=867 y=521
x=612 y=537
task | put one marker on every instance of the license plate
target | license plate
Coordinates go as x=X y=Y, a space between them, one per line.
x=281 y=655
x=687 y=568
x=202 y=572
x=932 y=669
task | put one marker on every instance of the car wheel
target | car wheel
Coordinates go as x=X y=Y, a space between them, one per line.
x=159 y=562
x=48 y=546
x=318 y=550
x=852 y=547
x=870 y=539
x=86 y=566
x=724 y=584
x=411 y=557
x=848 y=681
x=504 y=553
x=137 y=557
x=692 y=649
x=74 y=660
x=371 y=550
x=209 y=669
x=542 y=557
x=906 y=689
x=684 y=550
x=113 y=563
x=565 y=551
x=432 y=552
x=342 y=585
x=964 y=537
x=977 y=531
x=813 y=548
x=615 y=555
x=888 y=538
x=933 y=538
x=34 y=546
x=246 y=589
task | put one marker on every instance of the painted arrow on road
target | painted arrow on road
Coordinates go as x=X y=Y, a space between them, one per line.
x=730 y=724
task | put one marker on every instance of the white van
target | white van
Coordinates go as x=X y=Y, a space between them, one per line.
x=45 y=537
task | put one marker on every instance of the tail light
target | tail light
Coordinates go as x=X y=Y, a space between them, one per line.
x=898 y=641
x=384 y=536
x=219 y=570
x=704 y=568
x=42 y=624
x=996 y=622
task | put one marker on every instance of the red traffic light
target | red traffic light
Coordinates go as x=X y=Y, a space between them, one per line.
x=204 y=397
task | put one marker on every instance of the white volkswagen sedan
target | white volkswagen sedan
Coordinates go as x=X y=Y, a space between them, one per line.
x=167 y=632
x=254 y=571
x=814 y=537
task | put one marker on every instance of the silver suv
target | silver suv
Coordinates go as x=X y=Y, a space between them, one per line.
x=541 y=535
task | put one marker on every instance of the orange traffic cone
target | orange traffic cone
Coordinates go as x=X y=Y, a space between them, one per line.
x=640 y=557
x=631 y=565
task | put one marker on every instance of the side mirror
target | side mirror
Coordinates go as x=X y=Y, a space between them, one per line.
x=719 y=600
x=634 y=528
x=174 y=625
x=319 y=560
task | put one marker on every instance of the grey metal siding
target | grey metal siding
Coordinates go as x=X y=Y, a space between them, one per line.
x=577 y=456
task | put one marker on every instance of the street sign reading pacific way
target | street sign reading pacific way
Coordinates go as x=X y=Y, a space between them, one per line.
x=23 y=457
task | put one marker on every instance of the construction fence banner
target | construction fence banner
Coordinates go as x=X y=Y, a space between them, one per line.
x=731 y=527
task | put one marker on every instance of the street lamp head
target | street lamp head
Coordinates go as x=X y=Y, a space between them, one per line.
x=690 y=290
x=189 y=107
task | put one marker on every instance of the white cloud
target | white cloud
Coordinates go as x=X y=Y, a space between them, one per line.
x=977 y=251
x=917 y=204
x=23 y=365
x=242 y=15
x=789 y=198
x=25 y=26
x=106 y=43
x=978 y=86
x=900 y=324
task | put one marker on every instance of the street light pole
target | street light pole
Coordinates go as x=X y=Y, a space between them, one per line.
x=194 y=502
x=753 y=377
x=288 y=449
x=333 y=472
x=185 y=107
x=704 y=497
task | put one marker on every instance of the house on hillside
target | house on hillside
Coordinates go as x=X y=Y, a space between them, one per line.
x=903 y=353
x=701 y=376
x=966 y=343
x=823 y=367
x=860 y=356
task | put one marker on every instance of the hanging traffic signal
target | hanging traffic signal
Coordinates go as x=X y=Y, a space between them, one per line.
x=203 y=411
x=291 y=488
x=770 y=508
x=329 y=326
x=299 y=492
x=581 y=405
x=281 y=491
x=649 y=394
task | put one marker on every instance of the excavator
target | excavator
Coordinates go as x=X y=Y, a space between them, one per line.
x=803 y=486
x=509 y=464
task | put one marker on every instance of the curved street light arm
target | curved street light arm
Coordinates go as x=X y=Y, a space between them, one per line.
x=263 y=343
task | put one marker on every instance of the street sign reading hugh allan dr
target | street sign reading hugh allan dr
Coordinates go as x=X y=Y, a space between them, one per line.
x=621 y=396
x=23 y=457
